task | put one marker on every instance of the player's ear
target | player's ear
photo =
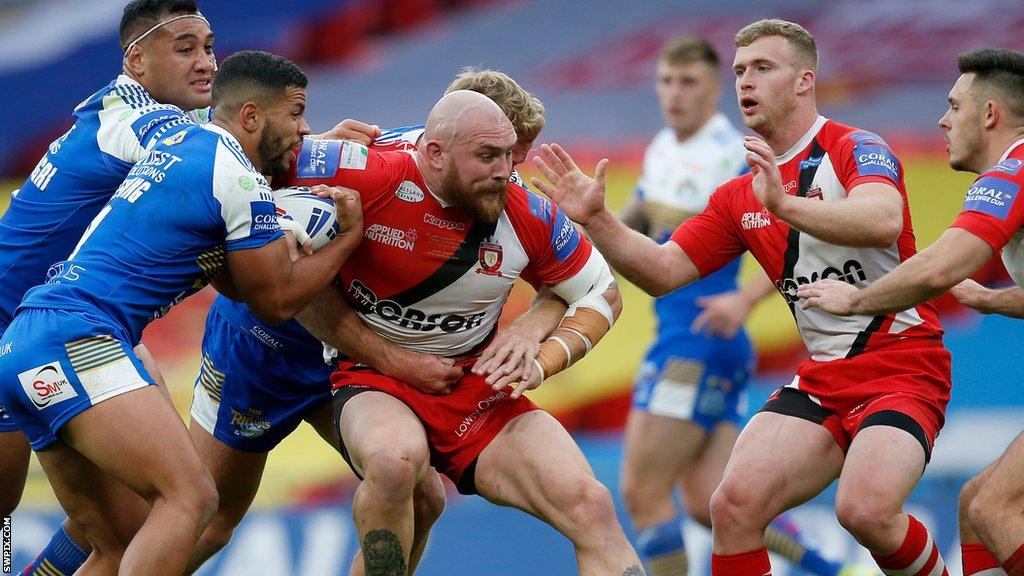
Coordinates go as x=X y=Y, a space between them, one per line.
x=249 y=117
x=133 y=61
x=992 y=113
x=805 y=82
x=434 y=151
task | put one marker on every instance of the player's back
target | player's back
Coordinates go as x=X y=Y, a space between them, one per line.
x=166 y=231
x=74 y=179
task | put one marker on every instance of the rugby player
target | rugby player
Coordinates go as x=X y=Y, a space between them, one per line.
x=690 y=394
x=446 y=236
x=984 y=127
x=822 y=199
x=168 y=65
x=195 y=209
x=258 y=382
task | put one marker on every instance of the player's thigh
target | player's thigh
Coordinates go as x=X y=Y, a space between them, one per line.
x=138 y=438
x=97 y=503
x=659 y=448
x=533 y=464
x=236 y=474
x=883 y=465
x=1005 y=481
x=699 y=481
x=373 y=422
x=14 y=458
x=779 y=462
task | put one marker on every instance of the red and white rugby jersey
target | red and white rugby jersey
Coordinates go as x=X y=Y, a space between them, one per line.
x=826 y=163
x=994 y=211
x=426 y=276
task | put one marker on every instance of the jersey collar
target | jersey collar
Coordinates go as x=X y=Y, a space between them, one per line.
x=1011 y=149
x=802 y=142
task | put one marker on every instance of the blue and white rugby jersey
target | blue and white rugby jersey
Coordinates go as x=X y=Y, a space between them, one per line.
x=166 y=232
x=113 y=130
x=675 y=184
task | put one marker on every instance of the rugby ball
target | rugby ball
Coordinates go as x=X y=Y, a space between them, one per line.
x=316 y=216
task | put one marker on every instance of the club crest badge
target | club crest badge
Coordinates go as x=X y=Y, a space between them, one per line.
x=490 y=259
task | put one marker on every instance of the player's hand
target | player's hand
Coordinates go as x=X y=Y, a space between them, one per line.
x=971 y=294
x=767 y=183
x=349 y=129
x=298 y=241
x=722 y=314
x=349 y=207
x=509 y=359
x=426 y=372
x=578 y=195
x=832 y=296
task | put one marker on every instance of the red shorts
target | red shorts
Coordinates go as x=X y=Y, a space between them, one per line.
x=459 y=425
x=905 y=384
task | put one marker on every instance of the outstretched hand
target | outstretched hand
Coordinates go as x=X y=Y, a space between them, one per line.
x=578 y=195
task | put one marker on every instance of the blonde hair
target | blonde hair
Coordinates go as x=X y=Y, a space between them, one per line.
x=802 y=41
x=689 y=49
x=524 y=109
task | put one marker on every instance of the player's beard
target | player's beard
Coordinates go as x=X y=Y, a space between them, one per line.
x=273 y=150
x=482 y=203
x=966 y=147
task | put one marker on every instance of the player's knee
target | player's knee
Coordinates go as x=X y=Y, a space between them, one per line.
x=985 y=511
x=394 y=472
x=429 y=499
x=967 y=493
x=636 y=494
x=216 y=536
x=589 y=504
x=202 y=500
x=733 y=506
x=866 y=518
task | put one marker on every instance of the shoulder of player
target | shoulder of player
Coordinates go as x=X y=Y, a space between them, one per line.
x=527 y=208
x=1010 y=170
x=834 y=133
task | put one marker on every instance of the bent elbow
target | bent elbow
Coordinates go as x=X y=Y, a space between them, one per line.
x=614 y=298
x=272 y=313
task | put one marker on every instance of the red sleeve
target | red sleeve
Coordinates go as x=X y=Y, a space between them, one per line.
x=556 y=249
x=864 y=157
x=993 y=209
x=710 y=238
x=349 y=164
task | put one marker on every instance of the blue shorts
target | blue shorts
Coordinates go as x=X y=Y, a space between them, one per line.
x=56 y=364
x=697 y=378
x=250 y=395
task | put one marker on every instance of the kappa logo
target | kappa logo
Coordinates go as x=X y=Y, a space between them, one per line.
x=789 y=186
x=409 y=192
x=755 y=220
x=442 y=223
x=47 y=385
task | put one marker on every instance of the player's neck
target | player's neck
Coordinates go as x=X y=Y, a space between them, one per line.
x=999 y=145
x=249 y=143
x=790 y=130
